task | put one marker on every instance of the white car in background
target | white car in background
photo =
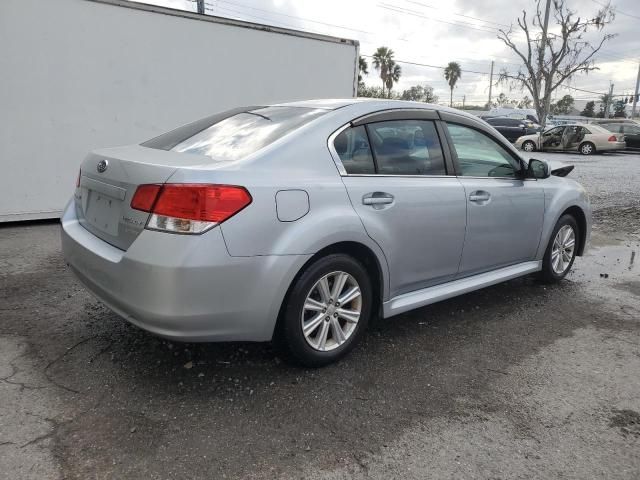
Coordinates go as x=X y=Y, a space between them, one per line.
x=586 y=139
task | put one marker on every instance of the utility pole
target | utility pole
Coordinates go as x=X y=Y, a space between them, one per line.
x=490 y=85
x=608 y=102
x=464 y=99
x=201 y=7
x=635 y=96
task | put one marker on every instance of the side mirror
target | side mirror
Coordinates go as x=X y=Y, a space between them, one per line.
x=538 y=169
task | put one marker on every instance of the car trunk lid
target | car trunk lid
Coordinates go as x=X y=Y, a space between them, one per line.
x=108 y=181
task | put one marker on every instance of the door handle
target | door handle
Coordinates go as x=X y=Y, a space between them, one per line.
x=479 y=196
x=377 y=198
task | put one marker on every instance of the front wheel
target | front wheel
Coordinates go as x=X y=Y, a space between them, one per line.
x=561 y=251
x=529 y=146
x=327 y=311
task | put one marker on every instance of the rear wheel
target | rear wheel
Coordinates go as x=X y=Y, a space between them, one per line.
x=529 y=146
x=561 y=251
x=327 y=311
x=587 y=148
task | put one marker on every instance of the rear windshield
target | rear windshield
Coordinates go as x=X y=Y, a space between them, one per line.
x=235 y=134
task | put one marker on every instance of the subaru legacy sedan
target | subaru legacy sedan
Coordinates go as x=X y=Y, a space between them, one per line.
x=300 y=222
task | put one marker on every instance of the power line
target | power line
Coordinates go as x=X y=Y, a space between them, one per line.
x=431 y=66
x=415 y=13
x=394 y=8
x=236 y=4
x=458 y=14
x=616 y=10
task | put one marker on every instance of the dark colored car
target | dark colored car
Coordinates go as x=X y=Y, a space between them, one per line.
x=630 y=131
x=511 y=128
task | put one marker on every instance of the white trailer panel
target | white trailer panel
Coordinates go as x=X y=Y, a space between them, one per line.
x=82 y=74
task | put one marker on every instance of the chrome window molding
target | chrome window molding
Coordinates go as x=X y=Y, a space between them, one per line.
x=392 y=114
x=343 y=171
x=396 y=176
x=334 y=153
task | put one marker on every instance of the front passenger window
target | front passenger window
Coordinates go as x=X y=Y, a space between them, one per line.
x=479 y=155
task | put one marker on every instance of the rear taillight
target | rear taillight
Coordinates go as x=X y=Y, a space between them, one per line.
x=78 y=179
x=189 y=208
x=145 y=197
x=613 y=138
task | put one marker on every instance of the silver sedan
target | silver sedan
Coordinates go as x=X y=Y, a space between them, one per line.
x=300 y=222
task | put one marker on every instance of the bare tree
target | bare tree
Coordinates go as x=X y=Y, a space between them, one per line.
x=552 y=57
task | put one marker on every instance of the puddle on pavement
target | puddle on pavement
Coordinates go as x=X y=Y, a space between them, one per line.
x=610 y=268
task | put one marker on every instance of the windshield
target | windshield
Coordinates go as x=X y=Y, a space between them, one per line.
x=231 y=137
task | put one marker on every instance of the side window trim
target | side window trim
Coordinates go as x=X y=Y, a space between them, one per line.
x=454 y=154
x=334 y=153
x=443 y=136
x=371 y=149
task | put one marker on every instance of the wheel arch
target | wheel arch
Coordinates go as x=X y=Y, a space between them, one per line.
x=580 y=217
x=361 y=252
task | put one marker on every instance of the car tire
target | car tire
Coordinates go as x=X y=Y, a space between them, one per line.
x=306 y=347
x=560 y=253
x=587 y=148
x=529 y=146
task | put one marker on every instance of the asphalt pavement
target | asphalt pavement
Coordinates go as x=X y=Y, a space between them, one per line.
x=519 y=380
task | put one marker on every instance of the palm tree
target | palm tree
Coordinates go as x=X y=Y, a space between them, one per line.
x=452 y=74
x=363 y=68
x=383 y=62
x=393 y=75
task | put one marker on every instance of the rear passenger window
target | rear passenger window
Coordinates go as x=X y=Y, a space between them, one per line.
x=352 y=146
x=406 y=147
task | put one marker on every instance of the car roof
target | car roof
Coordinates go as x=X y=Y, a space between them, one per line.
x=325 y=103
x=373 y=104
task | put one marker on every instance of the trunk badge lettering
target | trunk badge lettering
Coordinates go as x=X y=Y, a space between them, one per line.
x=102 y=166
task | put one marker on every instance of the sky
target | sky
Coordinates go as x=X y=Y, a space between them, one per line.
x=435 y=32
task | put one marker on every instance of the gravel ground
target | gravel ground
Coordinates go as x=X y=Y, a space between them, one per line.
x=519 y=380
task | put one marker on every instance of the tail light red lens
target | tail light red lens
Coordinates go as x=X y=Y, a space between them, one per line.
x=189 y=208
x=144 y=197
x=78 y=179
x=207 y=203
x=613 y=138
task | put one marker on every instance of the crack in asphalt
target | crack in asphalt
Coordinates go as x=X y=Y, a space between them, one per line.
x=59 y=358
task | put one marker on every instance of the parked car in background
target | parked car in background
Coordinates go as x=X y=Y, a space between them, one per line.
x=586 y=139
x=512 y=128
x=517 y=113
x=300 y=222
x=631 y=132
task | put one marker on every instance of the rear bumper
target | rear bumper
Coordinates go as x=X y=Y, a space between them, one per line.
x=611 y=146
x=182 y=287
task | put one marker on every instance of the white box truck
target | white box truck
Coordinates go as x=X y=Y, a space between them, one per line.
x=82 y=74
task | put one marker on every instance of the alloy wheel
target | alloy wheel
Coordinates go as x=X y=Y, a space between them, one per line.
x=563 y=249
x=528 y=147
x=587 y=149
x=331 y=311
